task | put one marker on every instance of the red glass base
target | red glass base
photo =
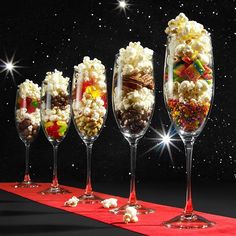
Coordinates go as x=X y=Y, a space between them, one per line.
x=54 y=190
x=192 y=221
x=89 y=199
x=26 y=184
x=140 y=209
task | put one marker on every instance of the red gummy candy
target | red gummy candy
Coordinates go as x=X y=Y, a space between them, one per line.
x=53 y=130
x=31 y=109
x=85 y=84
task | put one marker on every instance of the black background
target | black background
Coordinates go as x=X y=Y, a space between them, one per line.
x=45 y=35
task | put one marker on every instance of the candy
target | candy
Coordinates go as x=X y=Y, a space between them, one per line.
x=188 y=116
x=94 y=91
x=179 y=69
x=198 y=65
x=192 y=73
x=208 y=73
x=56 y=129
x=187 y=60
x=35 y=103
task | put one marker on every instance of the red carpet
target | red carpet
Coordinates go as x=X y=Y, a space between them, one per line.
x=147 y=225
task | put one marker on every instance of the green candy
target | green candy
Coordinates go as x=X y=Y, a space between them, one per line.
x=198 y=65
x=62 y=129
x=35 y=104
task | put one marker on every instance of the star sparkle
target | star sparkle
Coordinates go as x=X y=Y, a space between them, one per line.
x=123 y=5
x=10 y=66
x=164 y=140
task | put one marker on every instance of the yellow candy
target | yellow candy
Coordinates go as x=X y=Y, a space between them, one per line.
x=48 y=124
x=93 y=91
x=61 y=123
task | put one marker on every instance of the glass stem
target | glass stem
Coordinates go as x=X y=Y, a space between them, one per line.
x=88 y=189
x=133 y=151
x=27 y=176
x=188 y=144
x=55 y=179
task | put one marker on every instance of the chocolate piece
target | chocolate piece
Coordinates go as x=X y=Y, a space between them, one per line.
x=24 y=124
x=60 y=101
x=133 y=121
x=24 y=131
x=138 y=80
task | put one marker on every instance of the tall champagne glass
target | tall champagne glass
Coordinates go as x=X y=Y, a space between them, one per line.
x=55 y=118
x=133 y=103
x=188 y=92
x=27 y=115
x=89 y=106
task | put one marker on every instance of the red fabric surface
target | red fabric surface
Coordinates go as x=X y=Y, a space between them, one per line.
x=148 y=224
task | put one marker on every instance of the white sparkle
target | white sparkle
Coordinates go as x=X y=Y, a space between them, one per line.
x=123 y=5
x=165 y=140
x=9 y=66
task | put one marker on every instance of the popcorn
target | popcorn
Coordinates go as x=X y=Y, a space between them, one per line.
x=135 y=58
x=55 y=83
x=91 y=69
x=188 y=90
x=29 y=89
x=130 y=215
x=72 y=202
x=22 y=114
x=142 y=99
x=188 y=38
x=55 y=113
x=110 y=202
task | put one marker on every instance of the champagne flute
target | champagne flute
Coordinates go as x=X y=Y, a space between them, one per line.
x=55 y=118
x=89 y=106
x=27 y=117
x=188 y=92
x=133 y=104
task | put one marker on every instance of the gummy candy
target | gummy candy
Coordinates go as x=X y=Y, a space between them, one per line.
x=94 y=91
x=56 y=129
x=198 y=65
x=192 y=73
x=179 y=69
x=187 y=60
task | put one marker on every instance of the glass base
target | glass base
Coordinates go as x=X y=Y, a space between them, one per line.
x=188 y=222
x=140 y=209
x=89 y=199
x=53 y=190
x=26 y=184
